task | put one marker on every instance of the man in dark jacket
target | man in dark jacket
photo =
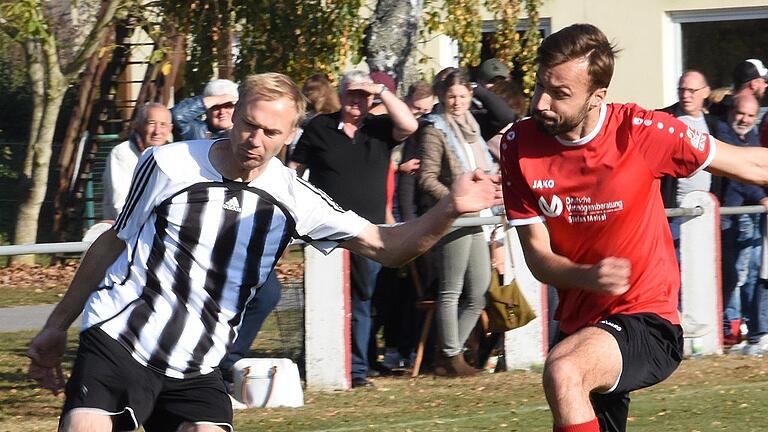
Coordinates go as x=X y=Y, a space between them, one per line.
x=742 y=238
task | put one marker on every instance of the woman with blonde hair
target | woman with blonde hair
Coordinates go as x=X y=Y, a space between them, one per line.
x=323 y=98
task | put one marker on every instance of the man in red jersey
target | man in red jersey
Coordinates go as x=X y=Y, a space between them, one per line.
x=581 y=184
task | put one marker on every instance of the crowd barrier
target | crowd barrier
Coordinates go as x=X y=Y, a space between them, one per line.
x=327 y=313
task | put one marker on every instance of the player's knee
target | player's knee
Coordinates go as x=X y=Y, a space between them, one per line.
x=562 y=374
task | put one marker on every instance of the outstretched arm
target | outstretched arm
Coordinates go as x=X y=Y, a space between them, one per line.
x=610 y=276
x=396 y=245
x=47 y=348
x=747 y=164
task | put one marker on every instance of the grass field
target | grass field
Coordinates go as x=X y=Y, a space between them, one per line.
x=705 y=394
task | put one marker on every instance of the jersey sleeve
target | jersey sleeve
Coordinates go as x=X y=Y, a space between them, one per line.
x=320 y=221
x=669 y=146
x=146 y=189
x=519 y=202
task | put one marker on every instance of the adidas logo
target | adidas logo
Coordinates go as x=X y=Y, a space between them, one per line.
x=232 y=204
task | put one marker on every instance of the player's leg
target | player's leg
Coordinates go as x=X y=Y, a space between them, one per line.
x=649 y=350
x=587 y=360
x=108 y=389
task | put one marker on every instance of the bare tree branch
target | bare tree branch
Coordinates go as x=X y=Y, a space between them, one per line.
x=93 y=40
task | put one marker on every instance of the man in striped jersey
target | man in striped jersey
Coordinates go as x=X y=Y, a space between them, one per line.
x=162 y=292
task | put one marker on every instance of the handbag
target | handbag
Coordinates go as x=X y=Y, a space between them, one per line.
x=506 y=307
x=267 y=383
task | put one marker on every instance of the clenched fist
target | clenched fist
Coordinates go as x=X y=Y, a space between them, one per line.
x=610 y=276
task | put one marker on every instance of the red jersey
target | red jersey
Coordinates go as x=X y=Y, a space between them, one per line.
x=599 y=197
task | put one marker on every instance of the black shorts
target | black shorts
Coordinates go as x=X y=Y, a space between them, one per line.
x=651 y=349
x=108 y=379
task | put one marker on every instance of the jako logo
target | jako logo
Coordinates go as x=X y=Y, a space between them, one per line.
x=553 y=208
x=611 y=324
x=543 y=184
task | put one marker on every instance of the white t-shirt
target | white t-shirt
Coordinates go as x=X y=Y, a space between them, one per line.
x=702 y=180
x=117 y=178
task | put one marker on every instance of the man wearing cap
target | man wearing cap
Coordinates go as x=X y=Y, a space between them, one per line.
x=491 y=72
x=217 y=103
x=348 y=156
x=749 y=78
x=491 y=111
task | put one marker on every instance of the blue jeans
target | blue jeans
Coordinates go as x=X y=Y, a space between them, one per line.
x=256 y=311
x=363 y=273
x=742 y=246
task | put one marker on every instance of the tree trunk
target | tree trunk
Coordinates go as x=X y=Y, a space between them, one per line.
x=44 y=73
x=390 y=39
x=36 y=75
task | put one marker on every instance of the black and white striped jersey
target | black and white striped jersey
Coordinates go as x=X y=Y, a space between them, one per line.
x=197 y=246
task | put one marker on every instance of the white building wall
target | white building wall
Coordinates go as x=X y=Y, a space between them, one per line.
x=649 y=64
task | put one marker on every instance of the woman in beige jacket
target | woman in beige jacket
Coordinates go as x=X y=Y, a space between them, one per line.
x=451 y=144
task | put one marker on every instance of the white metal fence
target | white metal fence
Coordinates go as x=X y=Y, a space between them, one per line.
x=327 y=311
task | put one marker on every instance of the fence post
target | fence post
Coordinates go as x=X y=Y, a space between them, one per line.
x=700 y=270
x=525 y=346
x=327 y=316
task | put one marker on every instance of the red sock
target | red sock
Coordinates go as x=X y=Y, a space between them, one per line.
x=590 y=426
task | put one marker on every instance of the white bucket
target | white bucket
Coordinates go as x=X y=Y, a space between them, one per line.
x=267 y=383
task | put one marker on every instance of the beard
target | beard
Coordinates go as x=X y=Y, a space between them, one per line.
x=741 y=130
x=563 y=124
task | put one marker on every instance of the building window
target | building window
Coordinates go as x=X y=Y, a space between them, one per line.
x=714 y=41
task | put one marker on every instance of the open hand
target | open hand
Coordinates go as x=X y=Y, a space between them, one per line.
x=368 y=87
x=218 y=100
x=610 y=276
x=45 y=352
x=475 y=191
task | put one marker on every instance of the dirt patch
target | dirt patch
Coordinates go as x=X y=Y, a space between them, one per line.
x=37 y=276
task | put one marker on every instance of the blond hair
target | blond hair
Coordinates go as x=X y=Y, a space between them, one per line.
x=272 y=86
